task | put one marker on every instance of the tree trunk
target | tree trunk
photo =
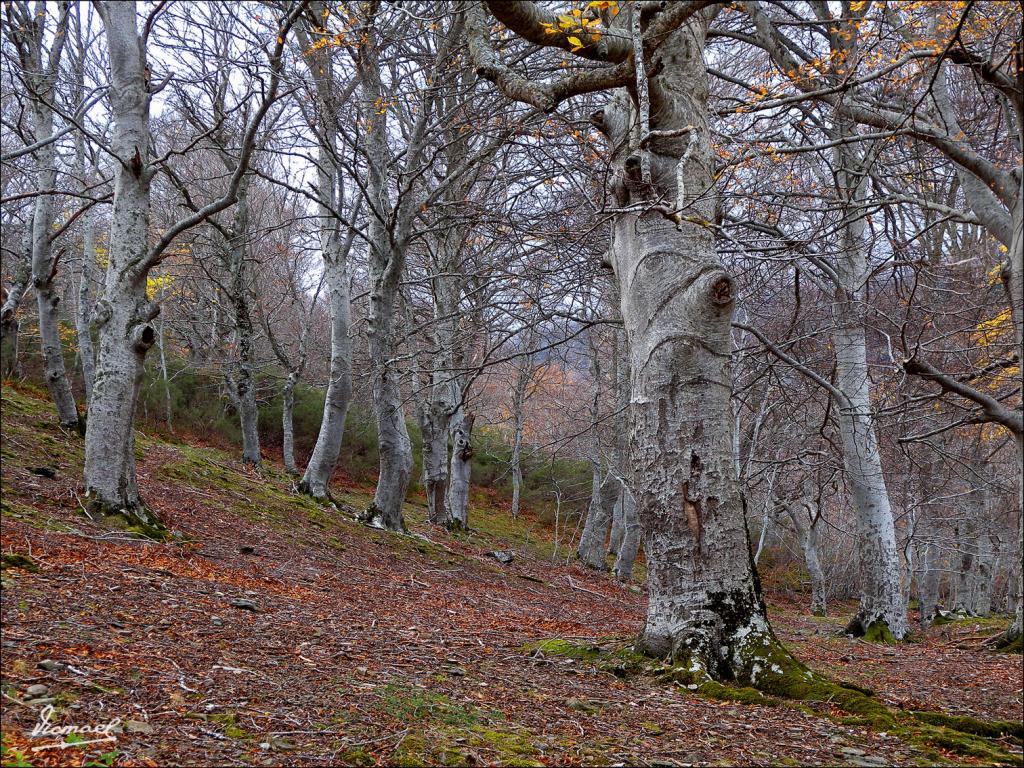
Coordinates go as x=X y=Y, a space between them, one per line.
x=814 y=570
x=881 y=599
x=124 y=315
x=518 y=402
x=44 y=270
x=929 y=589
x=457 y=514
x=618 y=526
x=324 y=459
x=243 y=378
x=10 y=365
x=387 y=245
x=434 y=423
x=591 y=549
x=322 y=462
x=704 y=604
x=630 y=538
x=86 y=355
x=288 y=422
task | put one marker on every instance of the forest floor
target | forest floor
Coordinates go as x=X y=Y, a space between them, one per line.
x=358 y=646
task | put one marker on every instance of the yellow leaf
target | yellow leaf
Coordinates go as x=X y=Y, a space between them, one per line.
x=576 y=43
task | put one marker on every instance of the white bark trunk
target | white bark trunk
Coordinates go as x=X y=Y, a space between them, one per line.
x=630 y=538
x=324 y=459
x=676 y=299
x=457 y=514
x=44 y=270
x=434 y=424
x=592 y=547
x=124 y=315
x=881 y=600
x=388 y=239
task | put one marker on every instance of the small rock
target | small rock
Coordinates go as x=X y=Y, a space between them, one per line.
x=852 y=751
x=37 y=690
x=138 y=726
x=581 y=706
x=503 y=556
x=217 y=621
x=244 y=605
x=117 y=623
x=456 y=671
x=41 y=702
x=49 y=665
x=48 y=472
x=361 y=670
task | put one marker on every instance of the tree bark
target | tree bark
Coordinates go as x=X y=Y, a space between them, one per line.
x=457 y=515
x=881 y=600
x=44 y=270
x=124 y=314
x=631 y=533
x=387 y=241
x=434 y=421
x=335 y=251
x=242 y=379
x=593 y=541
x=704 y=602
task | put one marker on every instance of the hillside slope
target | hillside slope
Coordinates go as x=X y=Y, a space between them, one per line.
x=273 y=631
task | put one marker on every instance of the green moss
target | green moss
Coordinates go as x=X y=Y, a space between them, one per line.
x=959 y=743
x=991 y=728
x=357 y=757
x=1011 y=645
x=878 y=632
x=740 y=695
x=139 y=522
x=14 y=560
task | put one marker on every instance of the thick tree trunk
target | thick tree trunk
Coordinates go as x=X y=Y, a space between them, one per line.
x=242 y=379
x=388 y=239
x=322 y=462
x=704 y=603
x=881 y=600
x=123 y=314
x=457 y=512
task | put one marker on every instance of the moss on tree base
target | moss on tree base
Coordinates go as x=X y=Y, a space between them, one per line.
x=136 y=519
x=770 y=676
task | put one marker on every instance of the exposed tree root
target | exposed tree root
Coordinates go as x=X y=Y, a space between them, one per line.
x=134 y=519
